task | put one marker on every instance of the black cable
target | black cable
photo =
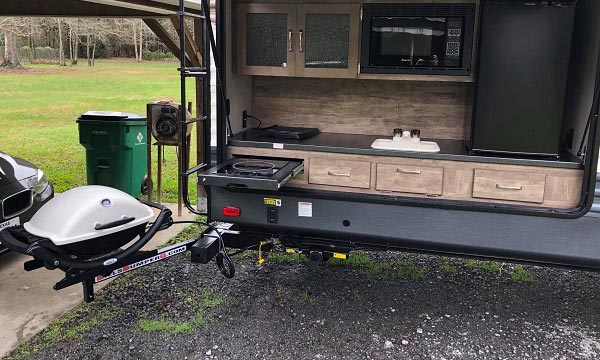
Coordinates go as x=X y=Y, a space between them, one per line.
x=257 y=119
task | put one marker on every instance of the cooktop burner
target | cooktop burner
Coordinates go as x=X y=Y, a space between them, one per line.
x=252 y=173
x=252 y=167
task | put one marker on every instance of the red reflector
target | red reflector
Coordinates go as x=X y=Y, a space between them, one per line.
x=231 y=211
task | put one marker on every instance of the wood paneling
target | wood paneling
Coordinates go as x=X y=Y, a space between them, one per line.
x=509 y=185
x=370 y=107
x=562 y=189
x=356 y=174
x=410 y=179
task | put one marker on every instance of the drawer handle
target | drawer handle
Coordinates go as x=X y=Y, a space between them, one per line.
x=290 y=38
x=404 y=171
x=504 y=187
x=331 y=173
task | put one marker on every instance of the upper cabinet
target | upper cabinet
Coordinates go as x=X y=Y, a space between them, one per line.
x=298 y=40
x=265 y=39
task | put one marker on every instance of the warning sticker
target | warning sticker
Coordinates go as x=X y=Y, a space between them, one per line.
x=305 y=209
x=272 y=202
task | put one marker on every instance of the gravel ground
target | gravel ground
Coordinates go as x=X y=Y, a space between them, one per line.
x=425 y=307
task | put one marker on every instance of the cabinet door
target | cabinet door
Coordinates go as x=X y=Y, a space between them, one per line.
x=328 y=37
x=266 y=39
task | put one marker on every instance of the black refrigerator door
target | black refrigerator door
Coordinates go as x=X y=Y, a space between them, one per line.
x=523 y=68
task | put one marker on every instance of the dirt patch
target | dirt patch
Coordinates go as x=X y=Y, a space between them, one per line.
x=26 y=70
x=379 y=305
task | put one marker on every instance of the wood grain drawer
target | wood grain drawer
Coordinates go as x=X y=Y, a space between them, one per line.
x=356 y=174
x=509 y=185
x=410 y=179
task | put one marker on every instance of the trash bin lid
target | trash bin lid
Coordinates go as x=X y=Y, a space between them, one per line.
x=111 y=116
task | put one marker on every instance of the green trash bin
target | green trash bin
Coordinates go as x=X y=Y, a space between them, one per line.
x=115 y=149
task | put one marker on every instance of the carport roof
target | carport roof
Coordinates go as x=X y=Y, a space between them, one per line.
x=95 y=8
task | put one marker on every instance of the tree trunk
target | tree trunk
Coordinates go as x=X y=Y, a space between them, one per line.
x=87 y=50
x=71 y=44
x=141 y=39
x=94 y=54
x=11 y=52
x=61 y=50
x=75 y=50
x=33 y=54
x=31 y=48
x=135 y=45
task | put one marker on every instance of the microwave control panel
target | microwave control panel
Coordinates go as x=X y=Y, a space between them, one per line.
x=454 y=36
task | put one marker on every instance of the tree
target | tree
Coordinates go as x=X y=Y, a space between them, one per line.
x=138 y=38
x=11 y=51
x=61 y=49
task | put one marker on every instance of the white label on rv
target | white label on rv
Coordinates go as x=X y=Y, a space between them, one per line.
x=305 y=209
x=277 y=146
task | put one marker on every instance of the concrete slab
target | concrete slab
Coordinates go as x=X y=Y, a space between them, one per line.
x=27 y=301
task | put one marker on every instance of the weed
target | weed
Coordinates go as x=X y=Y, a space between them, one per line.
x=405 y=268
x=520 y=275
x=307 y=298
x=471 y=263
x=356 y=296
x=447 y=267
x=379 y=271
x=357 y=259
x=490 y=266
x=283 y=258
x=147 y=325
x=210 y=299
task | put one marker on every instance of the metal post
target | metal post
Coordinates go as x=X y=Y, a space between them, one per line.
x=182 y=112
x=88 y=291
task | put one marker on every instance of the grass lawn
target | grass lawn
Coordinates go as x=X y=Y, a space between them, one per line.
x=43 y=102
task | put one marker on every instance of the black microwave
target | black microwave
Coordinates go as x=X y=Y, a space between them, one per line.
x=428 y=39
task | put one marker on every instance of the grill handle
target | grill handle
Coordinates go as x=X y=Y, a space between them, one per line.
x=110 y=225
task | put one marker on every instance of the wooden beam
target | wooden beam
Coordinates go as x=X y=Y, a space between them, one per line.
x=69 y=8
x=191 y=50
x=164 y=36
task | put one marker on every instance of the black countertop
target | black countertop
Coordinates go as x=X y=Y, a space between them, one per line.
x=361 y=144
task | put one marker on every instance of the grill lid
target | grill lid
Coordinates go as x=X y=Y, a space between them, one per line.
x=86 y=213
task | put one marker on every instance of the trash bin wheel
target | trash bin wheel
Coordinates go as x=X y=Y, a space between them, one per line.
x=145 y=186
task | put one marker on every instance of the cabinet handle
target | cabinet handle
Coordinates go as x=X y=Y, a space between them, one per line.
x=403 y=171
x=290 y=37
x=300 y=41
x=504 y=187
x=331 y=173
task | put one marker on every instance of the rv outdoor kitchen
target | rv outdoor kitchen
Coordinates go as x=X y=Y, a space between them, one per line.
x=459 y=127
